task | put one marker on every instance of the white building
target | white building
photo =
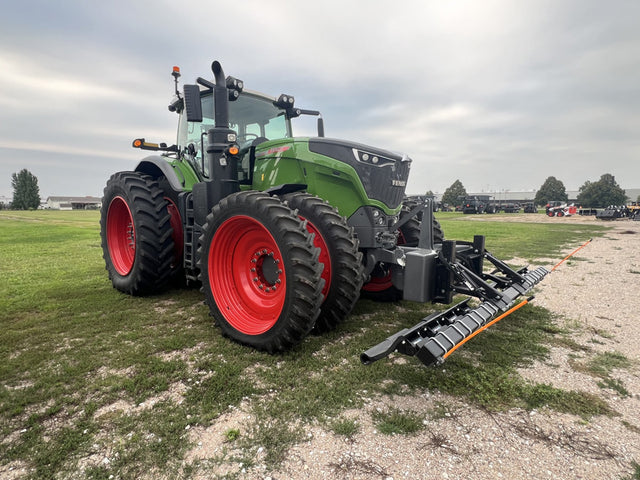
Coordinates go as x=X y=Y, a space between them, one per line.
x=74 y=203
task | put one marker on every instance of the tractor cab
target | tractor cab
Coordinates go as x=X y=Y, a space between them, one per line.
x=253 y=116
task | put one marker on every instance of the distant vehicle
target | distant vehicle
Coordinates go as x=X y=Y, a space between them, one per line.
x=476 y=204
x=530 y=207
x=612 y=212
x=559 y=209
x=510 y=207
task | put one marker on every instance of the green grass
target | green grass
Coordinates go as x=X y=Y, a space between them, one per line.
x=519 y=239
x=87 y=373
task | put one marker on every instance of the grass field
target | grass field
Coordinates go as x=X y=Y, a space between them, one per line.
x=101 y=383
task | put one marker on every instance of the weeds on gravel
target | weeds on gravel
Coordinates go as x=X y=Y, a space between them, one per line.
x=395 y=421
x=636 y=472
x=345 y=427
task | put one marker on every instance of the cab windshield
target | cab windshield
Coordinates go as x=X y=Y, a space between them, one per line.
x=251 y=116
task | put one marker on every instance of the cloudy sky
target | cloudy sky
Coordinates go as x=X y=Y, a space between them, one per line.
x=499 y=94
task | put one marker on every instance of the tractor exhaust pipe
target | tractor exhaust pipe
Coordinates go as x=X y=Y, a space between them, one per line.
x=220 y=96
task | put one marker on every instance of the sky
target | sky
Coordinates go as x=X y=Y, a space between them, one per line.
x=498 y=94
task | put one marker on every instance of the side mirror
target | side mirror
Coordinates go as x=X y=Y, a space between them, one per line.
x=192 y=103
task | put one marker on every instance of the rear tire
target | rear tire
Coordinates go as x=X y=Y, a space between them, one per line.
x=177 y=264
x=260 y=271
x=135 y=231
x=343 y=270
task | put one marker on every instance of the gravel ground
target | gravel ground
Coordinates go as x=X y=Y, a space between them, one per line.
x=596 y=296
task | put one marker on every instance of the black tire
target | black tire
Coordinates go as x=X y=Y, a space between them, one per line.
x=177 y=265
x=379 y=287
x=343 y=269
x=135 y=231
x=260 y=271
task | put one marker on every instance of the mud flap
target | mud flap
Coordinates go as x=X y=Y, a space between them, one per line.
x=440 y=333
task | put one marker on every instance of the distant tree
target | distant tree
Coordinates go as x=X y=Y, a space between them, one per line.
x=429 y=193
x=602 y=193
x=453 y=193
x=551 y=189
x=26 y=193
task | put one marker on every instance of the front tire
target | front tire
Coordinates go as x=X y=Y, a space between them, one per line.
x=135 y=231
x=260 y=271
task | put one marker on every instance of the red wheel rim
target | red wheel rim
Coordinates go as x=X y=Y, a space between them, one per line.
x=121 y=236
x=383 y=282
x=324 y=257
x=246 y=275
x=177 y=235
x=378 y=284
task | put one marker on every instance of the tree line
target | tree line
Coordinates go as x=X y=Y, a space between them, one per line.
x=602 y=193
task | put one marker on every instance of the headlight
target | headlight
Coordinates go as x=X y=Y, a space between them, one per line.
x=372 y=159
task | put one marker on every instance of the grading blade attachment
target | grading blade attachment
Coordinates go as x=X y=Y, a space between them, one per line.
x=439 y=334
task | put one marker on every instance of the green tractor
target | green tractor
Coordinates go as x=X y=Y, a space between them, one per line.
x=284 y=233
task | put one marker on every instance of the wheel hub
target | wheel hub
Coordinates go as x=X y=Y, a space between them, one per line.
x=266 y=269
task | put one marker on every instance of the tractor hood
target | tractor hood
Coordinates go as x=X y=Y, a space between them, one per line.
x=383 y=174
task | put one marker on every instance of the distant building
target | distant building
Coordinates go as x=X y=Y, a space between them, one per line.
x=74 y=203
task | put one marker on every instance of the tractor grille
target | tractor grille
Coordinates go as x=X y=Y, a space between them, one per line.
x=385 y=180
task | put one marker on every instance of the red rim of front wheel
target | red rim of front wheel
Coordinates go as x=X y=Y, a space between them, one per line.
x=121 y=236
x=246 y=275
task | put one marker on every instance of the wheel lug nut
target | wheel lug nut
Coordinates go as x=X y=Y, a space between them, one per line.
x=255 y=279
x=278 y=281
x=264 y=251
x=261 y=286
x=253 y=269
x=253 y=260
x=267 y=290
